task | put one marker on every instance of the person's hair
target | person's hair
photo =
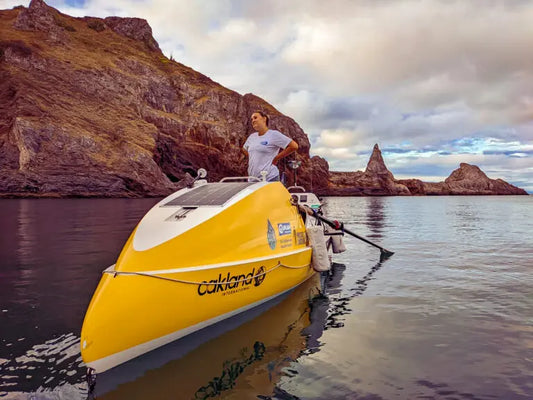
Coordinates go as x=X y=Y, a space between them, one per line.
x=261 y=113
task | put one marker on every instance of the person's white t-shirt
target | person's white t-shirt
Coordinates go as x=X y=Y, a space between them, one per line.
x=261 y=152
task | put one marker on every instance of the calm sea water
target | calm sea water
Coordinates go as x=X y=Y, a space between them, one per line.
x=448 y=316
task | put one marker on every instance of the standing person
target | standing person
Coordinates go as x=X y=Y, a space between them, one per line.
x=263 y=148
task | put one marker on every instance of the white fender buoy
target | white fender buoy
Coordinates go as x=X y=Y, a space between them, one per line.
x=337 y=244
x=319 y=258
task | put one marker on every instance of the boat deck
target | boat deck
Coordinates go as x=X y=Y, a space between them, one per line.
x=213 y=194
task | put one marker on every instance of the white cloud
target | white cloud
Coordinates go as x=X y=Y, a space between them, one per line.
x=338 y=138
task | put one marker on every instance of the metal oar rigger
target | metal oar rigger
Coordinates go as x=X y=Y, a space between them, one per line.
x=384 y=253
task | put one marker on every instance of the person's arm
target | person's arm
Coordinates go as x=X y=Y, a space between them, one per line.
x=244 y=156
x=245 y=147
x=291 y=148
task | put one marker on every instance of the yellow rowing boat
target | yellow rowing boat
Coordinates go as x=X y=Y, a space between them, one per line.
x=199 y=256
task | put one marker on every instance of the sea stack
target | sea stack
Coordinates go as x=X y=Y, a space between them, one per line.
x=469 y=179
x=376 y=180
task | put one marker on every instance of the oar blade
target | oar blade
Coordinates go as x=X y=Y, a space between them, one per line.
x=384 y=254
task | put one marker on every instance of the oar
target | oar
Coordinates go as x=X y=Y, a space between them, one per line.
x=335 y=225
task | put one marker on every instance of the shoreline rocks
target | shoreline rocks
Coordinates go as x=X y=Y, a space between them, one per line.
x=377 y=180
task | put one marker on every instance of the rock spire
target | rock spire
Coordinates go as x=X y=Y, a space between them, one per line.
x=376 y=165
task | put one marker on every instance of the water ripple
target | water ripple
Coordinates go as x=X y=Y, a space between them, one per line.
x=51 y=370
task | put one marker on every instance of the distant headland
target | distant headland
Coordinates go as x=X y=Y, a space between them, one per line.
x=91 y=107
x=377 y=180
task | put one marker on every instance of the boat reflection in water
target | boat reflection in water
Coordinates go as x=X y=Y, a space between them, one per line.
x=320 y=313
x=243 y=356
x=244 y=352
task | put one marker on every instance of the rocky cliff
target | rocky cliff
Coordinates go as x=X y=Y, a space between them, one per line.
x=92 y=107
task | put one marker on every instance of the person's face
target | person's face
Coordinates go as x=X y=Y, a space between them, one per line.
x=258 y=122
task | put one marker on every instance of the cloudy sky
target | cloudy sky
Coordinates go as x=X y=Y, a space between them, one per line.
x=433 y=82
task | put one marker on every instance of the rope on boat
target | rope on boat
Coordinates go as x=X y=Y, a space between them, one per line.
x=115 y=273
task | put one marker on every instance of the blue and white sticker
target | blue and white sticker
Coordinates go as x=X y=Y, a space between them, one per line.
x=284 y=228
x=271 y=236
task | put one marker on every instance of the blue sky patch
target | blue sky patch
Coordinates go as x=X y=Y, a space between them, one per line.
x=75 y=3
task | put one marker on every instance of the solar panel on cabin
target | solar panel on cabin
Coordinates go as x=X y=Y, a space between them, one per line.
x=212 y=194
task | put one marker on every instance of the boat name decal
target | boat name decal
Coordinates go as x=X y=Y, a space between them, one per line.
x=284 y=228
x=271 y=235
x=230 y=284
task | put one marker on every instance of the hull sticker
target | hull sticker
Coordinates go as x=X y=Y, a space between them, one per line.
x=300 y=238
x=284 y=228
x=271 y=235
x=285 y=242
